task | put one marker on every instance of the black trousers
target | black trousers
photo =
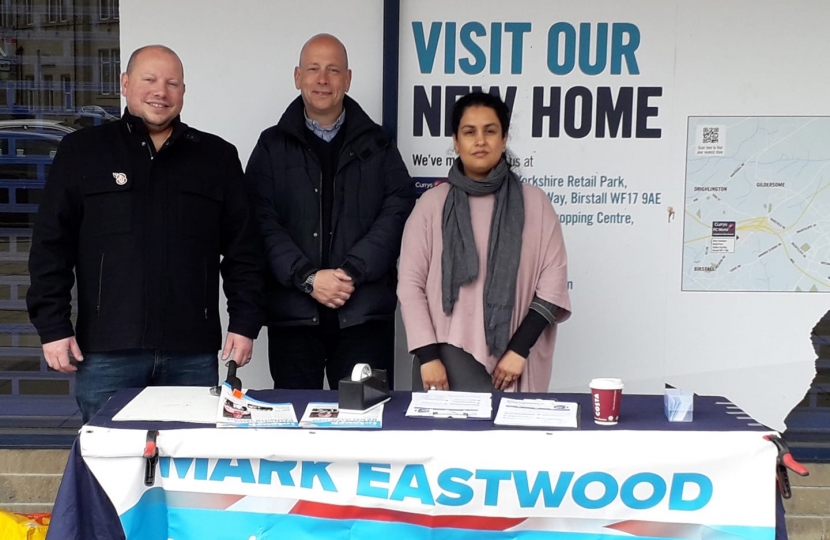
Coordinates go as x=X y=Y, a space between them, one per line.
x=299 y=355
x=464 y=373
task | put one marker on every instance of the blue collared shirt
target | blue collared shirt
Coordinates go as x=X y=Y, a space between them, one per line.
x=327 y=134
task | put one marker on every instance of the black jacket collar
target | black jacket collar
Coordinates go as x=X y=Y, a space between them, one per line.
x=136 y=126
x=357 y=121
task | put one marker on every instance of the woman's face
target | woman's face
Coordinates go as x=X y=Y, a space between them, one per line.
x=479 y=142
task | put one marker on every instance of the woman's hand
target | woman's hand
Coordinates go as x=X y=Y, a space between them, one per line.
x=508 y=370
x=434 y=375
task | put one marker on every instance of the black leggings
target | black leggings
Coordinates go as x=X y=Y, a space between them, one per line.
x=464 y=373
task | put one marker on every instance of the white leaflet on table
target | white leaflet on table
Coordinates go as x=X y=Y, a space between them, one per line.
x=171 y=404
x=446 y=404
x=537 y=413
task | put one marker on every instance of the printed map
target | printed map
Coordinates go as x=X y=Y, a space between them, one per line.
x=757 y=207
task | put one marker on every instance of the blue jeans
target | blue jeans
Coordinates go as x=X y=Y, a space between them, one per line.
x=100 y=375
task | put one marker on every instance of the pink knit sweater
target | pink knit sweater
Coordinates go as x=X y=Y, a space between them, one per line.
x=542 y=272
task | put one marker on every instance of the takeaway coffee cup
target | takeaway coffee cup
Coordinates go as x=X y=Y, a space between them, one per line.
x=606 y=394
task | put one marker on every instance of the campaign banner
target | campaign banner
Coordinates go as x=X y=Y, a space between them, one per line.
x=438 y=484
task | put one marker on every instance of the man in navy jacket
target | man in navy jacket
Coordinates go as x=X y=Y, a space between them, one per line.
x=332 y=195
x=141 y=210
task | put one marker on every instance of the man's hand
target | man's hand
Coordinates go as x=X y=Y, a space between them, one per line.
x=242 y=347
x=332 y=288
x=434 y=375
x=57 y=354
x=508 y=370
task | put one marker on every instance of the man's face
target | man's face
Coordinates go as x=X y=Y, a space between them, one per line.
x=154 y=88
x=323 y=77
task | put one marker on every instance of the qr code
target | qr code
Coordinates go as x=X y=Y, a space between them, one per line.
x=711 y=135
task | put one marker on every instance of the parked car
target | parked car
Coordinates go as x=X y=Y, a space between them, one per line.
x=33 y=125
x=92 y=115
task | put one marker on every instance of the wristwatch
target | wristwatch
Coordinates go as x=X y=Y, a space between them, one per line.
x=307 y=286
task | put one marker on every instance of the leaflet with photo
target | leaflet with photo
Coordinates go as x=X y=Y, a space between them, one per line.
x=328 y=415
x=236 y=409
x=537 y=413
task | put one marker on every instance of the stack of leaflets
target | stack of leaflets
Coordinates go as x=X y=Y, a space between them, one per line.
x=446 y=404
x=537 y=413
x=328 y=415
x=240 y=410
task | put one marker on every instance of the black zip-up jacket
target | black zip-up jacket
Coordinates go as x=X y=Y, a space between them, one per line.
x=143 y=232
x=373 y=196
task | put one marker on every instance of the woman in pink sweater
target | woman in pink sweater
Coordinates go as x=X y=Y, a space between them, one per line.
x=483 y=270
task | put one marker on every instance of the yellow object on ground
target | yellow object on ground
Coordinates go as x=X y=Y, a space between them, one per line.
x=23 y=526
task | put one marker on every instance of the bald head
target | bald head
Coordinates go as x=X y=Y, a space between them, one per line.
x=134 y=58
x=153 y=86
x=323 y=78
x=324 y=40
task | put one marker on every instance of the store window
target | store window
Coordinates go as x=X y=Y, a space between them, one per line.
x=808 y=424
x=59 y=73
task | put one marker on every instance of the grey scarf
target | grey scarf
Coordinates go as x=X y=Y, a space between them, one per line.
x=459 y=260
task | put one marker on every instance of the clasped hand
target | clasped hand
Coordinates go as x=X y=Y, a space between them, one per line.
x=332 y=288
